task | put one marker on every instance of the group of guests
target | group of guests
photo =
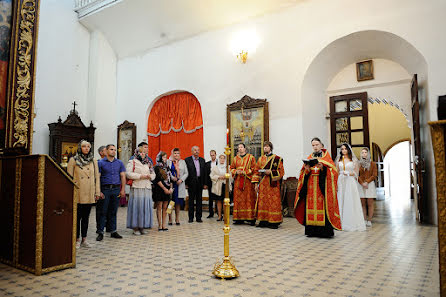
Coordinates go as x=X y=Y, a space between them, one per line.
x=336 y=194
x=163 y=185
x=331 y=194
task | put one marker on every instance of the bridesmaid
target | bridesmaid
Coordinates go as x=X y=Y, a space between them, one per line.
x=368 y=172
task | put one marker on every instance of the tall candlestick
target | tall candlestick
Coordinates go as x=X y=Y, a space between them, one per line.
x=227 y=137
x=226 y=268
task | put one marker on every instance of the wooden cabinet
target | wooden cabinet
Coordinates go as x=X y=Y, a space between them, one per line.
x=38 y=214
x=64 y=136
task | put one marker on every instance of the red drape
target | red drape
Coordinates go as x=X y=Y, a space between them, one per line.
x=175 y=121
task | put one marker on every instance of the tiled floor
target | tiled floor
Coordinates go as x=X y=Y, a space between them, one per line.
x=396 y=257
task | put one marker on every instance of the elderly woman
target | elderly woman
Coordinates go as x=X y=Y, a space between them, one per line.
x=84 y=169
x=218 y=178
x=139 y=210
x=162 y=189
x=179 y=173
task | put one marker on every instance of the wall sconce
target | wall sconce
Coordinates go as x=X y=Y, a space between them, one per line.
x=243 y=56
x=244 y=42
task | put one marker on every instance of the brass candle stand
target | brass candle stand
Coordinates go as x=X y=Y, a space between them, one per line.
x=226 y=269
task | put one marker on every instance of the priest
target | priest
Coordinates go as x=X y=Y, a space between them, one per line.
x=316 y=205
x=267 y=179
x=242 y=169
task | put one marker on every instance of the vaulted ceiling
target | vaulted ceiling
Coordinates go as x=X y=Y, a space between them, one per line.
x=135 y=26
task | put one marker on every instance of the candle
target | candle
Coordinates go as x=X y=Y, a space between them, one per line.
x=227 y=137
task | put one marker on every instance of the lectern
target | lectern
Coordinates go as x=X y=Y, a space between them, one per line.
x=37 y=214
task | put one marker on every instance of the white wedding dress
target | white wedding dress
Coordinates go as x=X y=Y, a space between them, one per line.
x=350 y=209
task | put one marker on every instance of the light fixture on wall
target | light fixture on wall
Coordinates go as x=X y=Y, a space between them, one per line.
x=244 y=42
x=243 y=56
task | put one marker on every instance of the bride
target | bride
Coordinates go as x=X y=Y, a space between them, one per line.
x=350 y=208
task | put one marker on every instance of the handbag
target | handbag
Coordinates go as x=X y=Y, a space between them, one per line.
x=130 y=181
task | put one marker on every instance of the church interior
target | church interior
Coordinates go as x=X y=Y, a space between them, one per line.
x=214 y=74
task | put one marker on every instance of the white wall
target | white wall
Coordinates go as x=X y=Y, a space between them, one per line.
x=62 y=69
x=102 y=90
x=290 y=40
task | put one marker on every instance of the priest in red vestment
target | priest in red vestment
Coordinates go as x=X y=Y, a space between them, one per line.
x=316 y=206
x=267 y=178
x=242 y=169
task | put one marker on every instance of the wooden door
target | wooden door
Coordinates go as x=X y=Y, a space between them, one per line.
x=418 y=158
x=349 y=122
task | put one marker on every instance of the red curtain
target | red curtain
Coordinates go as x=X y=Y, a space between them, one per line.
x=175 y=121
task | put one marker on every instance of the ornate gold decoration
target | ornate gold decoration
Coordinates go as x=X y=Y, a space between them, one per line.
x=39 y=213
x=18 y=179
x=438 y=134
x=59 y=267
x=226 y=269
x=24 y=73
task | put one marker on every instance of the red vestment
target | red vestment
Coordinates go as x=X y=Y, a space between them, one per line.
x=269 y=202
x=317 y=207
x=244 y=193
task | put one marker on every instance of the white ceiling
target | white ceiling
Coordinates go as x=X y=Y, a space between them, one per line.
x=135 y=26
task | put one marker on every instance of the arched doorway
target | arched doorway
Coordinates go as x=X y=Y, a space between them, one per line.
x=175 y=120
x=398 y=179
x=345 y=51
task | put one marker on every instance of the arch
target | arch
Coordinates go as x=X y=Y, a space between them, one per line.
x=395 y=143
x=357 y=46
x=174 y=120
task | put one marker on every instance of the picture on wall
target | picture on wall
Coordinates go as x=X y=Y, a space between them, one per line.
x=364 y=70
x=247 y=121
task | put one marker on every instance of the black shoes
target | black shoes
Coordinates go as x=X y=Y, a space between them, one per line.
x=199 y=221
x=252 y=223
x=100 y=237
x=191 y=221
x=177 y=224
x=210 y=216
x=115 y=235
x=170 y=224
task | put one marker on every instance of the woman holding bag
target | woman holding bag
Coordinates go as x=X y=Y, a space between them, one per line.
x=140 y=208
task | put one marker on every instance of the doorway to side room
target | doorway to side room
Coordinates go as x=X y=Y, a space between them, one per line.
x=398 y=185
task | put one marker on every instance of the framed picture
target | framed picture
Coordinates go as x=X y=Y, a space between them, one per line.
x=69 y=149
x=364 y=70
x=248 y=123
x=126 y=141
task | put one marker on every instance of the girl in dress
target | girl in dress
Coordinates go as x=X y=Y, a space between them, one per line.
x=162 y=189
x=348 y=195
x=367 y=190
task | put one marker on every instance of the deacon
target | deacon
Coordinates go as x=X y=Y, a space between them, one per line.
x=267 y=178
x=242 y=169
x=316 y=206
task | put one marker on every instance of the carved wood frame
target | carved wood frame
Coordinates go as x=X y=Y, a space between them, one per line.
x=438 y=135
x=124 y=126
x=247 y=103
x=21 y=77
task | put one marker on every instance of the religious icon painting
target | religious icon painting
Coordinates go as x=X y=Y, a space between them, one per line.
x=364 y=70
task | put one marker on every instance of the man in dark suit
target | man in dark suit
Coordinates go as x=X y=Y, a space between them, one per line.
x=209 y=165
x=195 y=183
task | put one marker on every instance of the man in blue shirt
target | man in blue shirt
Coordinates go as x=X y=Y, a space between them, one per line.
x=112 y=187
